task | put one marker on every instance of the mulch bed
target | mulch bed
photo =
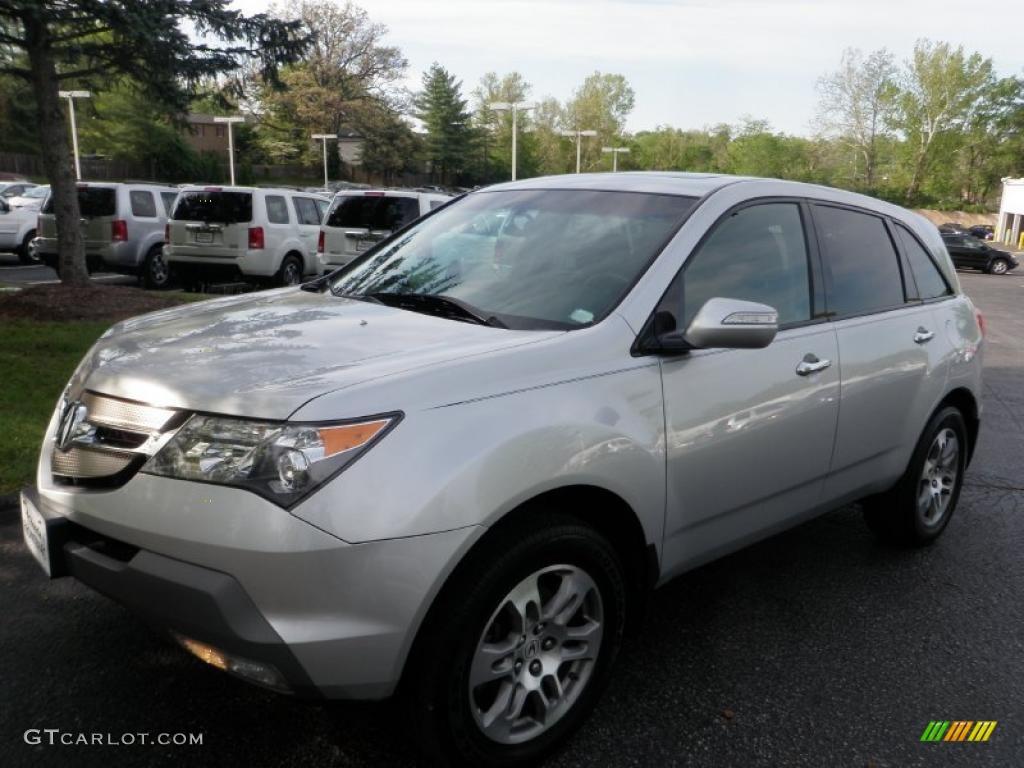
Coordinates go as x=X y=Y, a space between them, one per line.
x=59 y=303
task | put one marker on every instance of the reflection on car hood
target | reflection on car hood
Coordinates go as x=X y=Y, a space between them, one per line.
x=264 y=355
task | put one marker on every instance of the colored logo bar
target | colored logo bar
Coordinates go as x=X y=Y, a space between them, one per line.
x=959 y=730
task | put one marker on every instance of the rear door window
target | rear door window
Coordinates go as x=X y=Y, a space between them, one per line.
x=306 y=210
x=213 y=206
x=277 y=209
x=143 y=204
x=864 y=266
x=930 y=282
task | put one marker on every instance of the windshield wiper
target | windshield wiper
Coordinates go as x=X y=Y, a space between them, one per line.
x=455 y=309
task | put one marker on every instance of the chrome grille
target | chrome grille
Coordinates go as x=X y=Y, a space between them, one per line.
x=98 y=438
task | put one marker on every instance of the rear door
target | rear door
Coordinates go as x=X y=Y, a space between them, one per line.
x=890 y=351
x=211 y=222
x=308 y=216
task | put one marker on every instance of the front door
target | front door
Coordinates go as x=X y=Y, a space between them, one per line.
x=749 y=432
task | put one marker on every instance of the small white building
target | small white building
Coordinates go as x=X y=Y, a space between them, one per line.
x=1010 y=224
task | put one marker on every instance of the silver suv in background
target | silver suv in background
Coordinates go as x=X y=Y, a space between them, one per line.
x=123 y=224
x=454 y=468
x=260 y=234
x=359 y=219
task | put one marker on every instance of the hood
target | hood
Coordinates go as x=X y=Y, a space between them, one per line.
x=264 y=355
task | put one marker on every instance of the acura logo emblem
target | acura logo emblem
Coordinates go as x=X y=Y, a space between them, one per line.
x=74 y=415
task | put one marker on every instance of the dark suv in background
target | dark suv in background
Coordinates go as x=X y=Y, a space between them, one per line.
x=970 y=252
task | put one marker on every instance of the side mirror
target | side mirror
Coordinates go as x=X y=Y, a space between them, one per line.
x=727 y=324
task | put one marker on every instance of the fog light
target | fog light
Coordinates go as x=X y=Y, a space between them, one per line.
x=257 y=672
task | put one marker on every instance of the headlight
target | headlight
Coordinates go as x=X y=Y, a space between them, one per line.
x=280 y=461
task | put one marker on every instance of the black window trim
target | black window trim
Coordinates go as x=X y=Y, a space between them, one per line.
x=827 y=270
x=905 y=259
x=646 y=343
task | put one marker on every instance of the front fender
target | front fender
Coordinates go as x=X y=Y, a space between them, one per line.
x=471 y=463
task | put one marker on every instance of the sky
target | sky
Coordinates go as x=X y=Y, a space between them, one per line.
x=691 y=63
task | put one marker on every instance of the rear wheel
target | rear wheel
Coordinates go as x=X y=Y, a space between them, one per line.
x=918 y=509
x=522 y=643
x=155 y=273
x=26 y=253
x=290 y=272
x=999 y=267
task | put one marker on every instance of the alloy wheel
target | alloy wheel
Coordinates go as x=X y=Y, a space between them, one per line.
x=536 y=654
x=939 y=477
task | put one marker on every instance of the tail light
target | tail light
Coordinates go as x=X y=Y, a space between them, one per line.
x=119 y=230
x=256 y=241
x=167 y=233
x=982 y=322
x=320 y=243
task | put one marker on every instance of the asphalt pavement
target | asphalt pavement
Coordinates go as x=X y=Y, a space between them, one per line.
x=817 y=647
x=13 y=272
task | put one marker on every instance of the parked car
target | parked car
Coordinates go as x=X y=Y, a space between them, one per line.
x=454 y=468
x=950 y=228
x=262 y=234
x=971 y=253
x=17 y=229
x=123 y=224
x=358 y=219
x=982 y=231
x=31 y=198
x=9 y=189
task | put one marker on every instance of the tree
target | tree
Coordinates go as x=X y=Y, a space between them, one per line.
x=856 y=104
x=51 y=43
x=442 y=110
x=602 y=103
x=494 y=129
x=942 y=90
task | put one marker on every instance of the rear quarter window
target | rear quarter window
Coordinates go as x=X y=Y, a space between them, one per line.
x=859 y=254
x=142 y=203
x=168 y=199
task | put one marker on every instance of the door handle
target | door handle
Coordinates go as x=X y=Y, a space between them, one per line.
x=923 y=335
x=811 y=364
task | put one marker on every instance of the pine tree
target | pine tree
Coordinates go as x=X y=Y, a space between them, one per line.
x=442 y=110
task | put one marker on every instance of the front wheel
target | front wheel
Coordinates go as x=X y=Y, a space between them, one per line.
x=518 y=652
x=918 y=509
x=999 y=267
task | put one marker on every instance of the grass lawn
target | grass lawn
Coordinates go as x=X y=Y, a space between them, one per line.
x=37 y=360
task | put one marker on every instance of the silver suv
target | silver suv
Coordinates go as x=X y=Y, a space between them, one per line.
x=454 y=468
x=123 y=224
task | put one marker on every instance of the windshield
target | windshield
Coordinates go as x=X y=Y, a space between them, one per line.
x=37 y=192
x=213 y=205
x=531 y=258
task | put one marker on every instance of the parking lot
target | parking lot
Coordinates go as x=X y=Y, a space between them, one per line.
x=817 y=647
x=14 y=273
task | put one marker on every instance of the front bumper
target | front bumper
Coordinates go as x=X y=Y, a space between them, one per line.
x=229 y=569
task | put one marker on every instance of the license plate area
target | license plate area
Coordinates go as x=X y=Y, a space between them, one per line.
x=34 y=531
x=204 y=236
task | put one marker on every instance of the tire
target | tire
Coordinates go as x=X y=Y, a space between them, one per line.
x=290 y=272
x=26 y=255
x=919 y=507
x=456 y=671
x=156 y=275
x=998 y=267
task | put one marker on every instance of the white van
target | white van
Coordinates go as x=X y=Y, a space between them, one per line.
x=359 y=219
x=266 y=235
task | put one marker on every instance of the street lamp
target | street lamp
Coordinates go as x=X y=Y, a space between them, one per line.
x=578 y=135
x=71 y=96
x=231 y=142
x=514 y=107
x=324 y=137
x=616 y=151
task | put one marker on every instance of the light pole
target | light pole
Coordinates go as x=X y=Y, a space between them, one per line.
x=514 y=107
x=324 y=137
x=579 y=142
x=616 y=151
x=231 y=142
x=71 y=96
